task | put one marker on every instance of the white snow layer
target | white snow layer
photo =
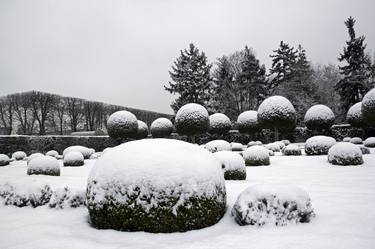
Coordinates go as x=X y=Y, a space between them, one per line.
x=217 y=145
x=52 y=153
x=356 y=140
x=319 y=143
x=276 y=105
x=122 y=118
x=19 y=155
x=369 y=142
x=73 y=156
x=319 y=112
x=86 y=152
x=355 y=112
x=256 y=152
x=230 y=161
x=219 y=120
x=162 y=123
x=44 y=163
x=248 y=118
x=191 y=111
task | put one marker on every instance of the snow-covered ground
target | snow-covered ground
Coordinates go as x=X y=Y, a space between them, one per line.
x=343 y=198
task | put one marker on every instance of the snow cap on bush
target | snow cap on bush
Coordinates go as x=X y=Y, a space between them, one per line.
x=319 y=145
x=161 y=127
x=219 y=124
x=344 y=153
x=86 y=152
x=354 y=115
x=122 y=124
x=217 y=145
x=356 y=140
x=236 y=146
x=19 y=155
x=275 y=147
x=142 y=131
x=370 y=142
x=232 y=164
x=37 y=154
x=4 y=160
x=52 y=153
x=73 y=158
x=192 y=119
x=96 y=155
x=43 y=165
x=319 y=117
x=286 y=141
x=346 y=139
x=256 y=155
x=291 y=150
x=368 y=107
x=247 y=122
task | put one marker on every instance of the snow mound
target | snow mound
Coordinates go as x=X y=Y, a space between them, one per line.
x=233 y=165
x=161 y=127
x=292 y=150
x=217 y=145
x=277 y=204
x=43 y=165
x=192 y=119
x=4 y=160
x=370 y=142
x=344 y=153
x=142 y=131
x=34 y=155
x=286 y=141
x=19 y=155
x=368 y=107
x=319 y=145
x=354 y=115
x=247 y=122
x=73 y=158
x=356 y=140
x=96 y=155
x=175 y=186
x=236 y=146
x=52 y=153
x=346 y=139
x=86 y=152
x=252 y=143
x=319 y=117
x=275 y=147
x=219 y=124
x=256 y=155
x=122 y=124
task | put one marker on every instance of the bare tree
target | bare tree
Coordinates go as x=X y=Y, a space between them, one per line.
x=23 y=112
x=42 y=104
x=74 y=109
x=6 y=113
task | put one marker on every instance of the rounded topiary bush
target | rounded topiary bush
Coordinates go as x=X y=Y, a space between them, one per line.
x=319 y=117
x=368 y=108
x=344 y=153
x=86 y=152
x=370 y=142
x=52 y=153
x=252 y=143
x=356 y=140
x=232 y=164
x=142 y=131
x=275 y=147
x=354 y=115
x=219 y=124
x=319 y=145
x=278 y=205
x=161 y=127
x=19 y=155
x=285 y=142
x=122 y=124
x=73 y=158
x=217 y=145
x=43 y=165
x=247 y=122
x=192 y=119
x=346 y=139
x=4 y=160
x=256 y=156
x=236 y=146
x=34 y=155
x=292 y=150
x=131 y=190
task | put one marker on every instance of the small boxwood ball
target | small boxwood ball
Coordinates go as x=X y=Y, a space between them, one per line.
x=161 y=127
x=233 y=165
x=346 y=139
x=354 y=115
x=52 y=153
x=247 y=122
x=370 y=142
x=142 y=131
x=192 y=119
x=275 y=147
x=236 y=146
x=73 y=158
x=319 y=117
x=256 y=156
x=139 y=186
x=356 y=140
x=319 y=145
x=368 y=108
x=19 y=155
x=86 y=152
x=344 y=154
x=122 y=124
x=291 y=150
x=4 y=160
x=286 y=141
x=43 y=165
x=217 y=145
x=219 y=124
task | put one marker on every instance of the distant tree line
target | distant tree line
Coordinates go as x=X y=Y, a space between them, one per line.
x=238 y=82
x=44 y=113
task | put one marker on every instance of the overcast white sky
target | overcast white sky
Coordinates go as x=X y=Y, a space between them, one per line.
x=121 y=51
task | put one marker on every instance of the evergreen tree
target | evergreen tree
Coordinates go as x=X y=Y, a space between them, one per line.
x=191 y=78
x=356 y=73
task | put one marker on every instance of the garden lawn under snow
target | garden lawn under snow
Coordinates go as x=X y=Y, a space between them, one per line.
x=343 y=198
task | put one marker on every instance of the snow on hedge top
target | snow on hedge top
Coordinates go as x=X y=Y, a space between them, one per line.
x=319 y=112
x=248 y=118
x=344 y=150
x=218 y=120
x=230 y=161
x=52 y=153
x=43 y=163
x=86 y=152
x=34 y=155
x=217 y=145
x=72 y=156
x=320 y=141
x=355 y=112
x=256 y=152
x=276 y=105
x=161 y=123
x=156 y=165
x=191 y=111
x=19 y=155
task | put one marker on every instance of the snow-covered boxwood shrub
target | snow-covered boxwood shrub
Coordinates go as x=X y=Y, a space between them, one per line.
x=292 y=150
x=4 y=160
x=192 y=119
x=256 y=155
x=346 y=139
x=236 y=146
x=354 y=115
x=142 y=131
x=370 y=142
x=271 y=152
x=34 y=155
x=66 y=197
x=368 y=108
x=122 y=124
x=247 y=122
x=131 y=190
x=356 y=140
x=280 y=144
x=232 y=164
x=217 y=145
x=161 y=127
x=219 y=124
x=86 y=152
x=73 y=158
x=34 y=195
x=19 y=155
x=43 y=165
x=96 y=155
x=365 y=150
x=52 y=153
x=275 y=147
x=319 y=117
x=252 y=143
x=286 y=142
x=319 y=145
x=278 y=205
x=344 y=153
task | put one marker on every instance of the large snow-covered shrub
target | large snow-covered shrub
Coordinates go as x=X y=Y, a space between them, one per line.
x=233 y=165
x=142 y=131
x=52 y=153
x=73 y=158
x=236 y=146
x=43 y=165
x=247 y=122
x=344 y=153
x=368 y=108
x=319 y=145
x=4 y=160
x=279 y=205
x=122 y=124
x=370 y=142
x=277 y=112
x=354 y=115
x=19 y=155
x=291 y=150
x=356 y=140
x=161 y=127
x=219 y=124
x=192 y=119
x=86 y=152
x=319 y=117
x=174 y=186
x=256 y=155
x=217 y=145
